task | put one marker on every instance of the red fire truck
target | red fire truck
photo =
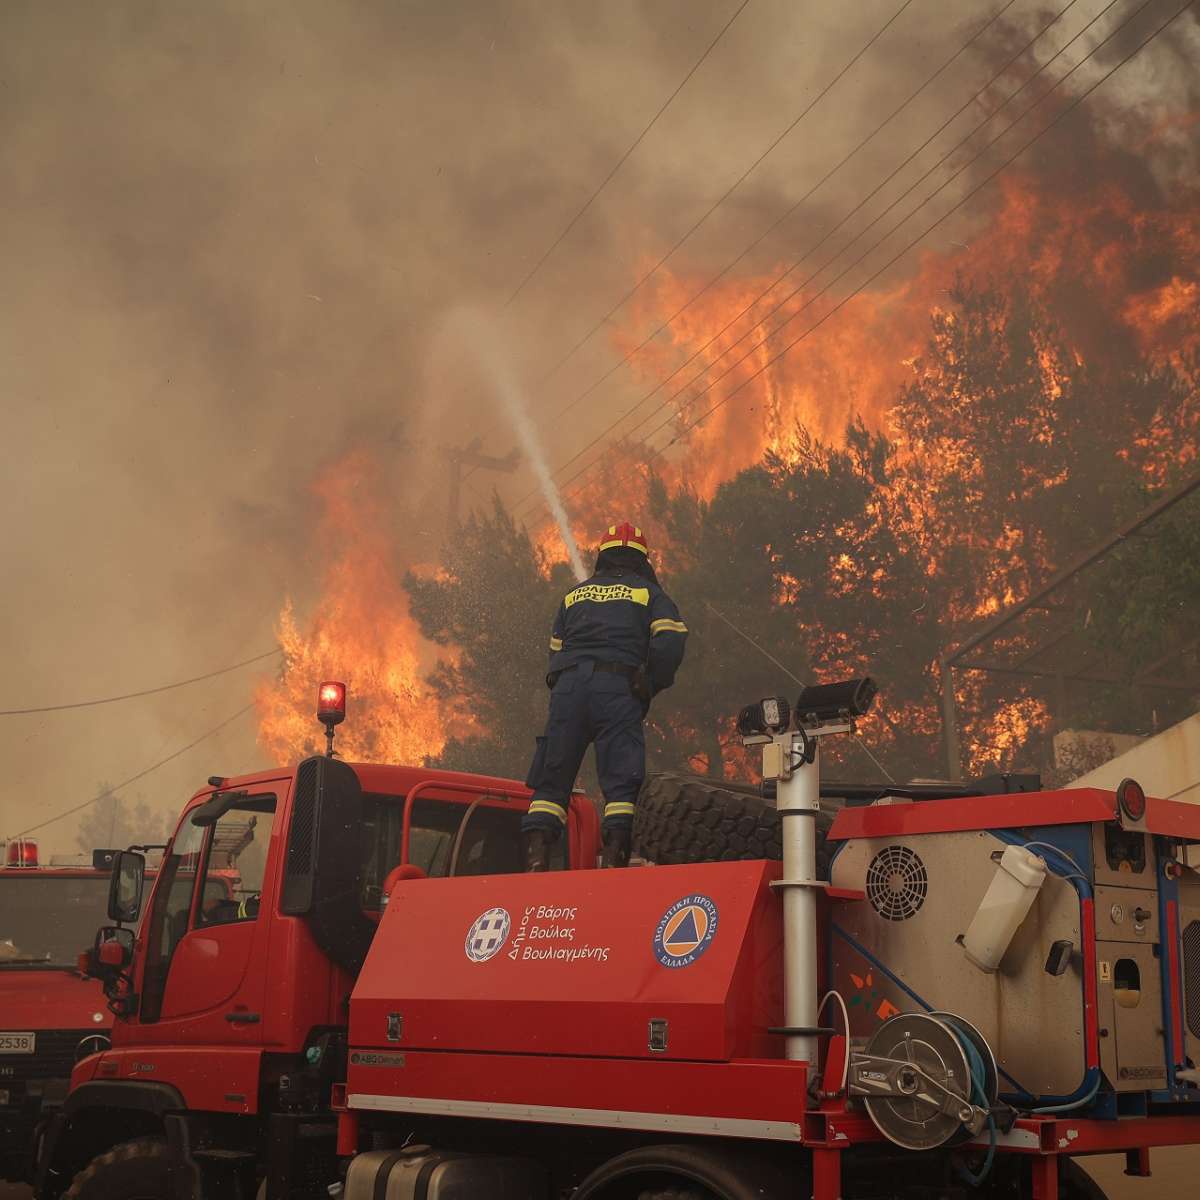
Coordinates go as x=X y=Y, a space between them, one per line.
x=992 y=980
x=50 y=1014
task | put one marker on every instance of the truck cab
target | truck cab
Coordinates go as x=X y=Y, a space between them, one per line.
x=50 y=1013
x=232 y=999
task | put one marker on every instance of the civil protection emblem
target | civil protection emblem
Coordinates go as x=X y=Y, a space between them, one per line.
x=486 y=937
x=685 y=931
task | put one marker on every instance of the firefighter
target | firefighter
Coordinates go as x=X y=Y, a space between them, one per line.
x=617 y=641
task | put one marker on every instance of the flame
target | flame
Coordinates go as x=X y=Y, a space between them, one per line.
x=360 y=632
x=1091 y=259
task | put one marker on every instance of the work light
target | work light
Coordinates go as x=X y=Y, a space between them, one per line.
x=833 y=701
x=770 y=715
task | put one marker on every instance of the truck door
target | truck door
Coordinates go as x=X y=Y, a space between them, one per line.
x=204 y=931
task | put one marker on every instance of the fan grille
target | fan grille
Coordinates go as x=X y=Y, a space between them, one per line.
x=897 y=883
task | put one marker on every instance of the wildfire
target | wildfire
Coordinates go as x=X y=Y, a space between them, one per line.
x=1117 y=279
x=360 y=632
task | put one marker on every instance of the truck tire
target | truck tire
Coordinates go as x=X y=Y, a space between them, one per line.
x=135 y=1170
x=1074 y=1183
x=675 y=1194
x=691 y=819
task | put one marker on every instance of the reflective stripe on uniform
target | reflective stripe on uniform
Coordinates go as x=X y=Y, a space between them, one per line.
x=667 y=625
x=555 y=643
x=549 y=807
x=618 y=808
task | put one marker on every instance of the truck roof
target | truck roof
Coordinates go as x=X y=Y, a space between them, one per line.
x=1068 y=806
x=380 y=777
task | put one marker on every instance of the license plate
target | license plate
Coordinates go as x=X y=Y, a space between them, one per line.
x=17 y=1043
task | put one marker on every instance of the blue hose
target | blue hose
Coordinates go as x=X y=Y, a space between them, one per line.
x=979 y=1097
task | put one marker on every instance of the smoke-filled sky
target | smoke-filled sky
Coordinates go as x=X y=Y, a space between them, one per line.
x=231 y=235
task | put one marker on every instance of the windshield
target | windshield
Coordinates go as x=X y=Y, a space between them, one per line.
x=47 y=920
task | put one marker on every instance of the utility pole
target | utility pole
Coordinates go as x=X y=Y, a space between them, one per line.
x=470 y=455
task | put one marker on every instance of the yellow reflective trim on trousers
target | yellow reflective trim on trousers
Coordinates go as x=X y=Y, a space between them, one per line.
x=619 y=808
x=666 y=625
x=548 y=806
x=601 y=593
x=555 y=643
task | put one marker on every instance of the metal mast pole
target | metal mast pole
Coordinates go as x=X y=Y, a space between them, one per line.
x=797 y=799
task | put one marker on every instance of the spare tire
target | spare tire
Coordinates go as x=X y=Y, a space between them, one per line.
x=694 y=819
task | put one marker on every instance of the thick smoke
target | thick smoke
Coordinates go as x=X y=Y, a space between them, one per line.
x=229 y=231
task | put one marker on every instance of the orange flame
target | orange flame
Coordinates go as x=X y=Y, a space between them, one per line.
x=360 y=633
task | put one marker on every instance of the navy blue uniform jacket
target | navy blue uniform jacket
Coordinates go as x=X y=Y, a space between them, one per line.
x=622 y=617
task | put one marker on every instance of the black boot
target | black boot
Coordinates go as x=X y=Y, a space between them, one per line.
x=617 y=844
x=537 y=850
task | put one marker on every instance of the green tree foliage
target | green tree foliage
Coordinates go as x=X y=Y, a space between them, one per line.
x=493 y=602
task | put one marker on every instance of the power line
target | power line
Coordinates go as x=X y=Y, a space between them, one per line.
x=891 y=262
x=154 y=691
x=612 y=370
x=722 y=198
x=537 y=266
x=825 y=237
x=732 y=188
x=817 y=245
x=241 y=712
x=934 y=224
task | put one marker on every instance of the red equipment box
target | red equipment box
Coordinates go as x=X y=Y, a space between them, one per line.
x=665 y=962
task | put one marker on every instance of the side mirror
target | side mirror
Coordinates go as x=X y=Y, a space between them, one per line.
x=125 y=887
x=110 y=955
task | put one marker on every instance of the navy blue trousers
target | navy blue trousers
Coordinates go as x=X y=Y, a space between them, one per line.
x=588 y=707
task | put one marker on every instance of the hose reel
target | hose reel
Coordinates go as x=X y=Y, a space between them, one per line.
x=927 y=1080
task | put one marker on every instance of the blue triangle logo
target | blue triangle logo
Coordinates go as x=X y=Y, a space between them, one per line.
x=685 y=931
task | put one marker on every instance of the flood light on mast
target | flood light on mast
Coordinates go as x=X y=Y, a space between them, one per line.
x=836 y=701
x=331 y=709
x=772 y=714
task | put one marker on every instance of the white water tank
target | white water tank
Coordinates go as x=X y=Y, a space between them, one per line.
x=1019 y=877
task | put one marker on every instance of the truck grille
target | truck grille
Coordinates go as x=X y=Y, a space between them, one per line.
x=298 y=875
x=53 y=1059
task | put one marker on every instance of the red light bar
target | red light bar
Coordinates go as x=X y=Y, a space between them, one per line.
x=21 y=852
x=331 y=703
x=1132 y=799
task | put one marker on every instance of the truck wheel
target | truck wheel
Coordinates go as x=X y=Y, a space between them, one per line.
x=691 y=819
x=131 y=1171
x=1074 y=1183
x=675 y=1194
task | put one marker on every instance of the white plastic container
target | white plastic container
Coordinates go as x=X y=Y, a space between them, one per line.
x=1019 y=877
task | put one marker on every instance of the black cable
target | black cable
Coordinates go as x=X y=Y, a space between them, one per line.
x=134 y=778
x=537 y=266
x=730 y=190
x=166 y=687
x=821 y=241
x=949 y=212
x=717 y=204
x=760 y=239
x=870 y=225
x=656 y=451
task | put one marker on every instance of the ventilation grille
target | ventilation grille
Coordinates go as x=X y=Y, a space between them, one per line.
x=298 y=878
x=1191 y=976
x=897 y=883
